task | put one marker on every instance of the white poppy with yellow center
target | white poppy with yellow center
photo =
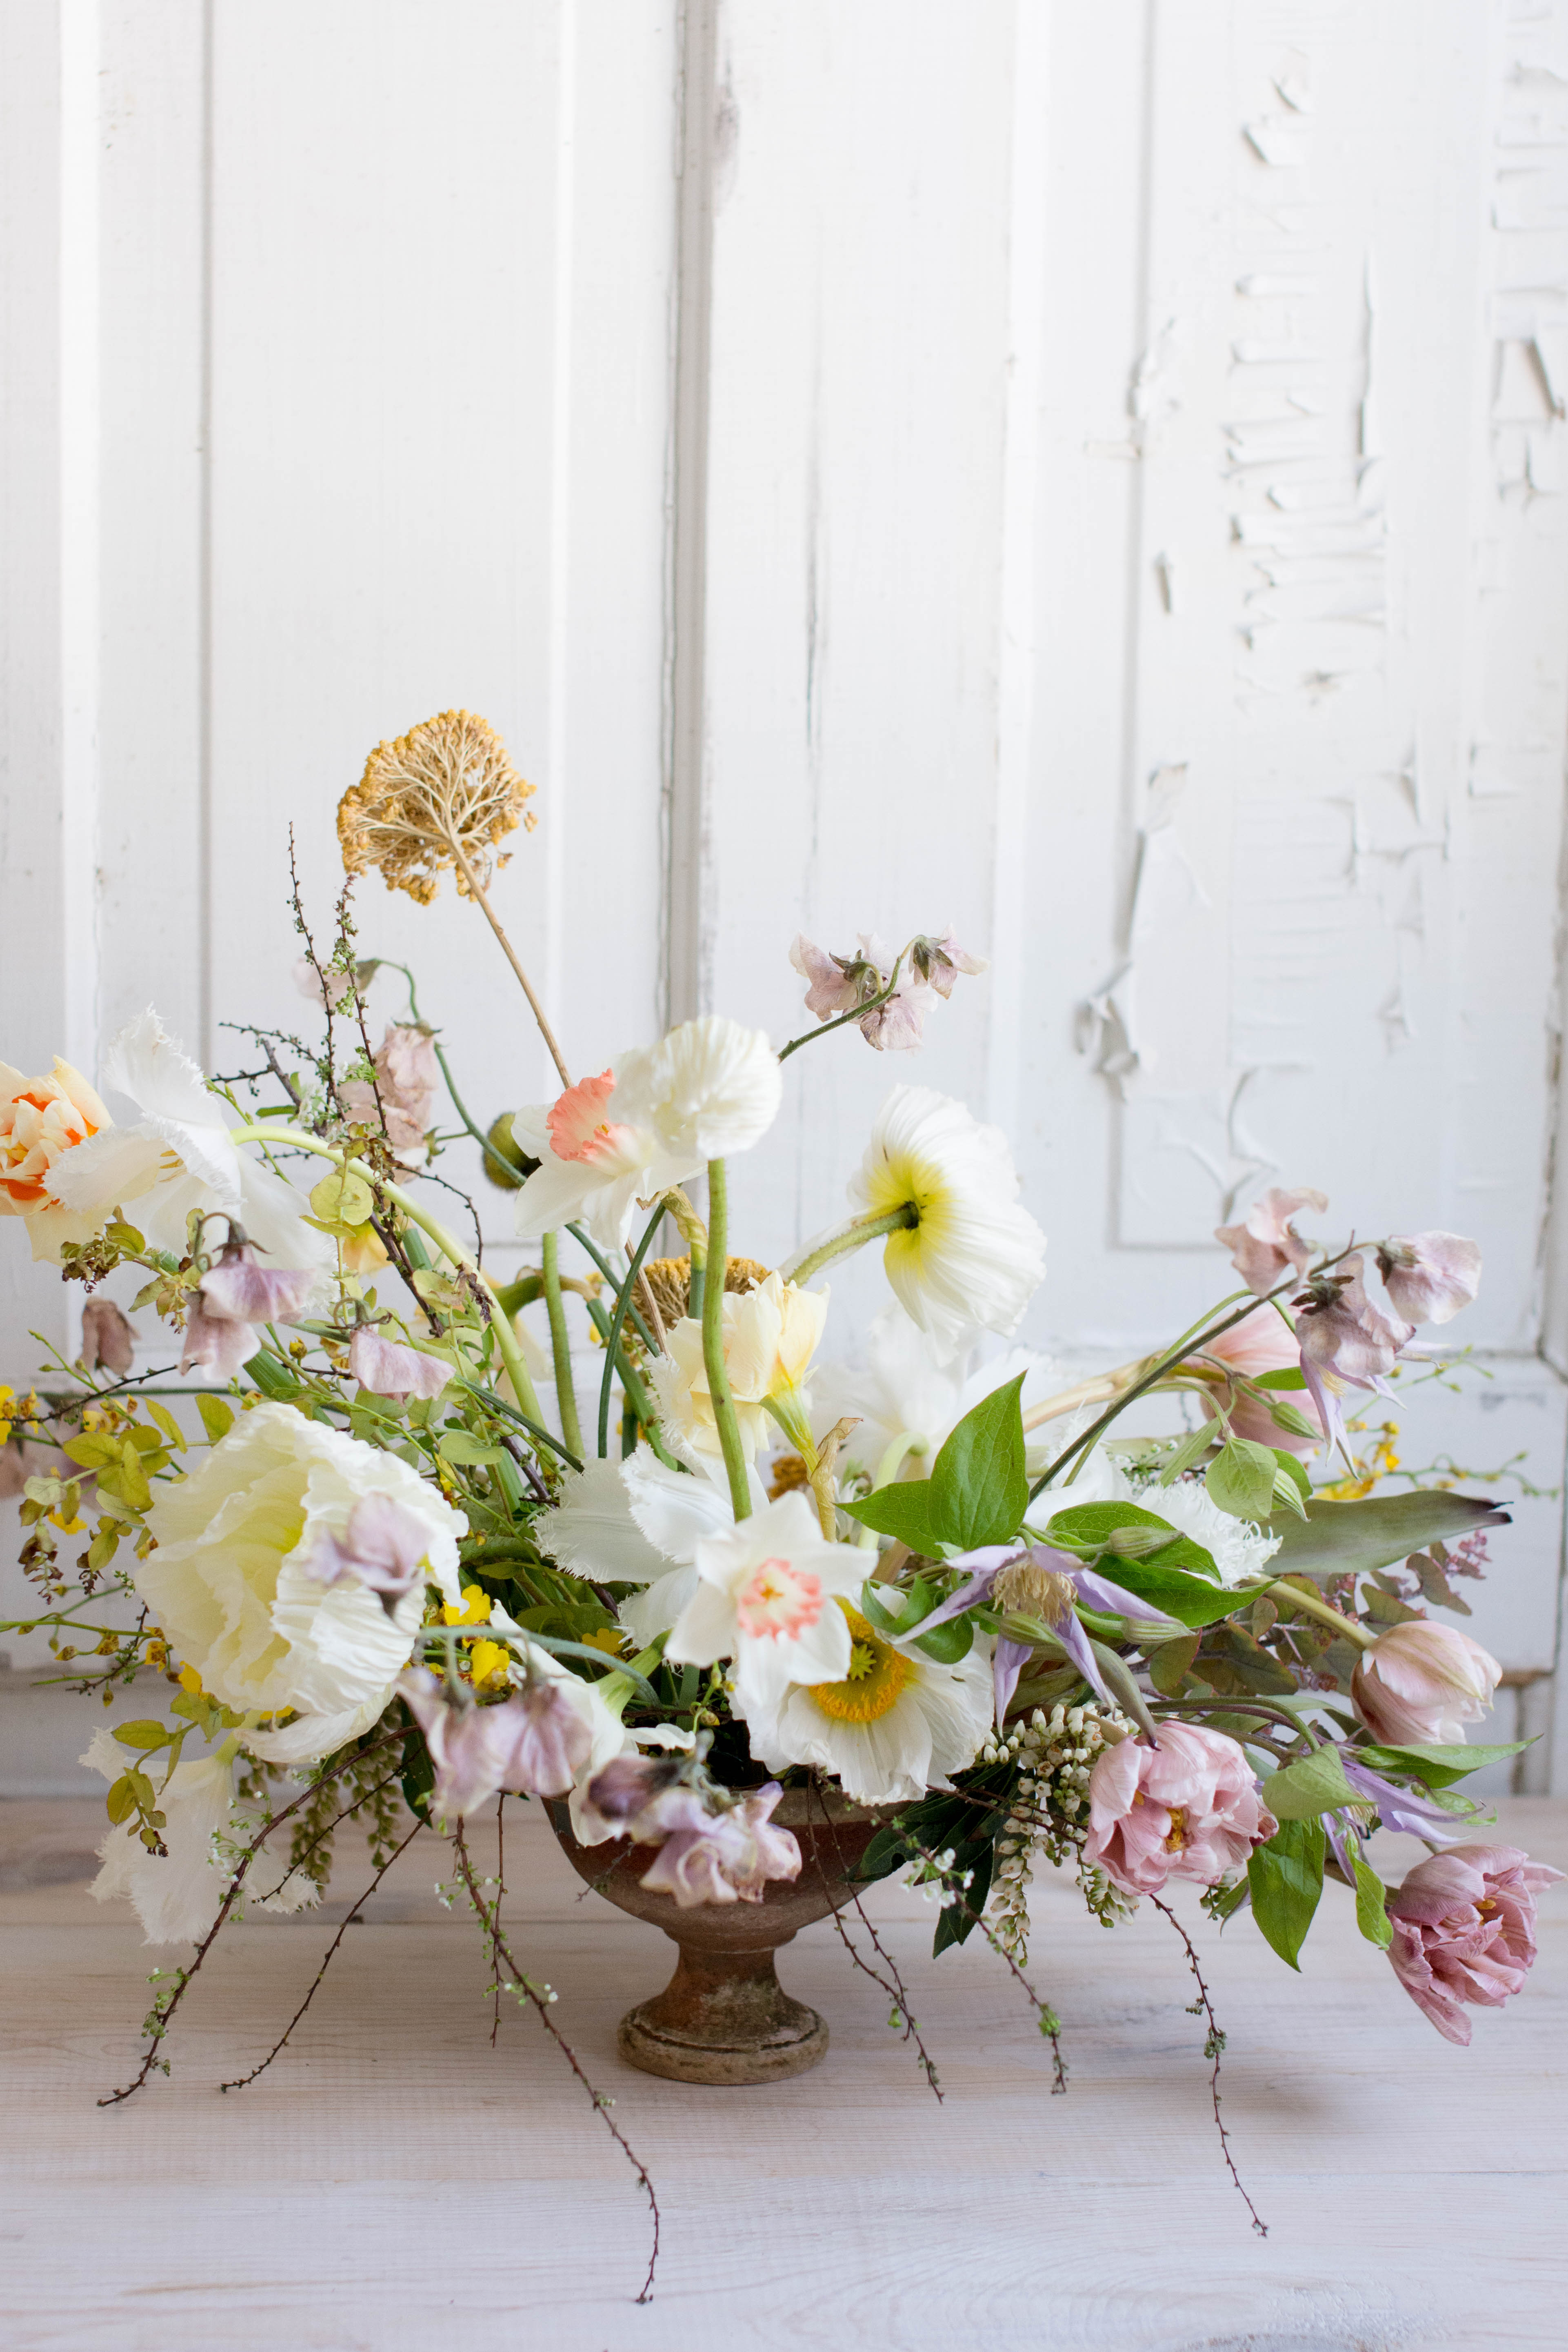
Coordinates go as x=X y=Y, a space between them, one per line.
x=972 y=1258
x=897 y=1725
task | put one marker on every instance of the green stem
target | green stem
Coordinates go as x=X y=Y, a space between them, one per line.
x=613 y=1338
x=713 y=1343
x=854 y=1237
x=561 y=1345
x=637 y=1396
x=614 y=1279
x=504 y=1169
x=856 y=1013
x=447 y=1243
x=1323 y=1610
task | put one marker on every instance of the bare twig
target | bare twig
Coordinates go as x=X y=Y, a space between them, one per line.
x=1214 y=2047
x=892 y=1984
x=1050 y=2023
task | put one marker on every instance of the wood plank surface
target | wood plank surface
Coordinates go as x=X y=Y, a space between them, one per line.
x=395 y=2184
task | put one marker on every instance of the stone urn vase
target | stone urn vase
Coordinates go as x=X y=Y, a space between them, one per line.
x=724 y=2017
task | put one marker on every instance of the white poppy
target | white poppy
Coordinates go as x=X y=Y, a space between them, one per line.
x=974 y=1258
x=233 y=1578
x=599 y=1159
x=766 y=1597
x=710 y=1088
x=901 y=1387
x=897 y=1725
x=179 y=1156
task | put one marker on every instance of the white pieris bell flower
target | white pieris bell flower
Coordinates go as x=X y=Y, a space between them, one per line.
x=895 y=1725
x=974 y=1258
x=177 y=1155
x=766 y=1596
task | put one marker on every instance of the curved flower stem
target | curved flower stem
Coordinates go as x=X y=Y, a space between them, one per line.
x=1323 y=1610
x=612 y=1337
x=856 y=1013
x=561 y=1345
x=713 y=1342
x=295 y=1138
x=854 y=1236
x=475 y=891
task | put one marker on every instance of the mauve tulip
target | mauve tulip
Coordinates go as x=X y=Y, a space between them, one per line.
x=1266 y=1242
x=1420 y=1684
x=725 y=1857
x=384 y=1545
x=106 y=1338
x=1188 y=1809
x=1430 y=1277
x=1464 y=1931
x=1262 y=1343
x=533 y=1744
x=389 y=1371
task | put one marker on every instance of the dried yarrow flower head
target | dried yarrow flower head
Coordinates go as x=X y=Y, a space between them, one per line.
x=443 y=794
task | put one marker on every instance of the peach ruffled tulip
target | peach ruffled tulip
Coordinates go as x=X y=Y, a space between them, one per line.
x=40 y=1119
x=1464 y=1931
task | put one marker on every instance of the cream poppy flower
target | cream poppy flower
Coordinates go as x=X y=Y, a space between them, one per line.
x=974 y=1258
x=710 y=1088
x=234 y=1583
x=766 y=1597
x=40 y=1120
x=179 y=1156
x=902 y=1387
x=897 y=1725
x=771 y=1333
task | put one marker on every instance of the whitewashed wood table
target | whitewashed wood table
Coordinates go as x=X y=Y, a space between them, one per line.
x=394 y=2184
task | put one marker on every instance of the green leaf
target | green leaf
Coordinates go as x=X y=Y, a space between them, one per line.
x=145 y=1734
x=1170 y=1663
x=1241 y=1479
x=1353 y=1538
x=120 y=1802
x=273 y=1379
x=462 y=1446
x=1308 y=1787
x=341 y=1199
x=90 y=1452
x=167 y=1423
x=1372 y=1904
x=1438 y=1767
x=902 y=1512
x=1090 y=1529
x=131 y=1483
x=1287 y=1881
x=125 y=1238
x=1195 y=1443
x=1190 y=1599
x=980 y=1489
x=1290 y=1378
x=947 y=1644
x=217 y=1418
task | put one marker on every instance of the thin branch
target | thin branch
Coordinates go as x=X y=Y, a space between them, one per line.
x=1050 y=2023
x=517 y=1982
x=895 y=1988
x=1214 y=2047
x=475 y=891
x=320 y=1972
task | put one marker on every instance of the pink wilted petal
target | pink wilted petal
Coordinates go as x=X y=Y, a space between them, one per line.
x=940 y=960
x=723 y=1857
x=240 y=1289
x=532 y=1744
x=1464 y=1931
x=106 y=1338
x=390 y=1370
x=1430 y=1276
x=835 y=984
x=897 y=1025
x=1266 y=1242
x=1341 y=1332
x=220 y=1344
x=383 y=1546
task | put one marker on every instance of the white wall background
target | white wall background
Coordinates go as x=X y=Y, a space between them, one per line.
x=1093 y=474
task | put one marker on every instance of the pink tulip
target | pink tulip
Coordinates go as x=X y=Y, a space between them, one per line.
x=402 y=1099
x=1464 y=1931
x=1188 y=1808
x=1430 y=1277
x=1262 y=1343
x=389 y=1371
x=1266 y=1243
x=1420 y=1684
x=533 y=1744
x=383 y=1546
x=726 y=1857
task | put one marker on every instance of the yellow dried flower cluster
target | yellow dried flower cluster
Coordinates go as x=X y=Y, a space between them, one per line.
x=670 y=1279
x=443 y=794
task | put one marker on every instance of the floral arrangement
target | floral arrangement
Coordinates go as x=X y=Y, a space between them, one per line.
x=387 y=1580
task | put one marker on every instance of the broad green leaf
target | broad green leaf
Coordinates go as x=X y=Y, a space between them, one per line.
x=1240 y=1480
x=91 y=1452
x=1290 y=1378
x=979 y=1490
x=1372 y=1904
x=120 y=1802
x=462 y=1446
x=947 y=1644
x=145 y=1734
x=1169 y=1662
x=341 y=1199
x=1308 y=1787
x=1089 y=1528
x=1438 y=1766
x=1190 y=1599
x=901 y=1511
x=167 y=1423
x=125 y=1238
x=131 y=1482
x=217 y=1418
x=1353 y=1538
x=1287 y=1881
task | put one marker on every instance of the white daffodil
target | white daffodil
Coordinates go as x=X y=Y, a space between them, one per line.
x=710 y=1088
x=901 y=1389
x=244 y=1578
x=176 y=1894
x=639 y=1522
x=1240 y=1550
x=179 y=1156
x=766 y=1596
x=599 y=1159
x=974 y=1258
x=771 y=1333
x=895 y=1725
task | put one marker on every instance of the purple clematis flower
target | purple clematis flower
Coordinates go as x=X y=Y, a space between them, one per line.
x=1042 y=1583
x=1403 y=1809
